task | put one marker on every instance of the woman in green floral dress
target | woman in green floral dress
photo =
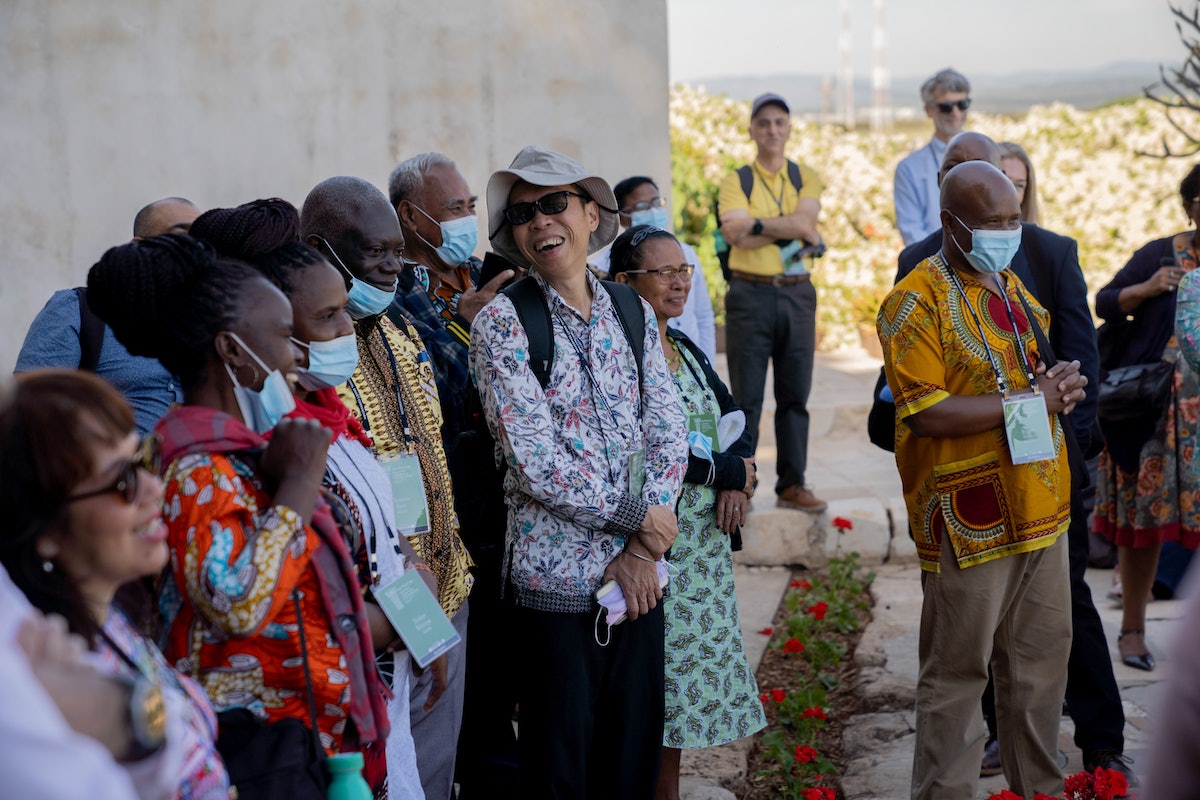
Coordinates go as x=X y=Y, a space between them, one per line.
x=711 y=695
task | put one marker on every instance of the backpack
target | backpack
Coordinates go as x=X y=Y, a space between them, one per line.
x=745 y=175
x=91 y=333
x=482 y=516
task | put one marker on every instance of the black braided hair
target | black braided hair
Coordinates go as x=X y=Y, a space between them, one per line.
x=626 y=252
x=264 y=234
x=167 y=297
x=1190 y=186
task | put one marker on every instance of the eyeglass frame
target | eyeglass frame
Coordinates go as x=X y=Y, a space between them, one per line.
x=946 y=108
x=645 y=205
x=536 y=205
x=148 y=457
x=661 y=274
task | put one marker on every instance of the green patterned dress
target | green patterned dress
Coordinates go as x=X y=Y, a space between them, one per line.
x=711 y=695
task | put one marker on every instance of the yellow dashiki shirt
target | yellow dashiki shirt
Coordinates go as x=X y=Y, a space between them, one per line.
x=967 y=485
x=394 y=383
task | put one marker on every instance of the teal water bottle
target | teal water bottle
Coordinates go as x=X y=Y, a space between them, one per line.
x=347 y=783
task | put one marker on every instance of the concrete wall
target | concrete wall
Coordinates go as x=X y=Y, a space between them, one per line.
x=105 y=106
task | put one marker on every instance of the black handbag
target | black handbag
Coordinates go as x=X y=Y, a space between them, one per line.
x=267 y=760
x=1135 y=392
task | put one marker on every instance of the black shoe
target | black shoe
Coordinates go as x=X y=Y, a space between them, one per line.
x=1108 y=759
x=990 y=765
x=1132 y=647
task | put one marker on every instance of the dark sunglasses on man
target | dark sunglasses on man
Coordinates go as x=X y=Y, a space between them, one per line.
x=548 y=204
x=961 y=105
x=148 y=458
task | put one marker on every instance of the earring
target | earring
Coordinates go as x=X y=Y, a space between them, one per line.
x=47 y=566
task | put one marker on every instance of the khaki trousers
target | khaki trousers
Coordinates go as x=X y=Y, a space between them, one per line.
x=1016 y=613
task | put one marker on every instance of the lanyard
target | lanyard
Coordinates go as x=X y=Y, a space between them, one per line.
x=763 y=178
x=596 y=390
x=983 y=335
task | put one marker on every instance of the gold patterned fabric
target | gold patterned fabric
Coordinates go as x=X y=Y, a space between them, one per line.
x=967 y=486
x=393 y=384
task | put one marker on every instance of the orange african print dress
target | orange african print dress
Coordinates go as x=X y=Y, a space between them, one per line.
x=233 y=626
x=967 y=486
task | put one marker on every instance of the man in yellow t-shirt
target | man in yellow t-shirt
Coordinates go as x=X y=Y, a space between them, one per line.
x=771 y=306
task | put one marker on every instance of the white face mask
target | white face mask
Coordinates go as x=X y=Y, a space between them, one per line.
x=262 y=409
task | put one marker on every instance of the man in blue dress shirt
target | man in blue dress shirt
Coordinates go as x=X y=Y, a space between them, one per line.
x=946 y=97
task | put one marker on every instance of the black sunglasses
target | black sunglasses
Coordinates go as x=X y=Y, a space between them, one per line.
x=148 y=457
x=549 y=204
x=961 y=105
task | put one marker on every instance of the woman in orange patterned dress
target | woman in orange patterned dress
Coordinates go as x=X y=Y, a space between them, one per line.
x=260 y=571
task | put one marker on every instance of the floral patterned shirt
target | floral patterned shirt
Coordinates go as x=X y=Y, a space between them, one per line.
x=568 y=448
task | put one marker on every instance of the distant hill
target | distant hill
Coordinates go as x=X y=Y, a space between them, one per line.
x=991 y=94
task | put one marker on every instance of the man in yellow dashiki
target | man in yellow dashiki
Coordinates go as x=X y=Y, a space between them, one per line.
x=957 y=339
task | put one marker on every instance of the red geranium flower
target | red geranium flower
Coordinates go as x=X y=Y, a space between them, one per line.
x=842 y=524
x=778 y=695
x=1006 y=795
x=764 y=698
x=795 y=584
x=819 y=610
x=793 y=645
x=805 y=585
x=767 y=631
x=805 y=754
x=815 y=713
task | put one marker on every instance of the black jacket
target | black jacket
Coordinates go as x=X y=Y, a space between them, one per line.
x=1060 y=288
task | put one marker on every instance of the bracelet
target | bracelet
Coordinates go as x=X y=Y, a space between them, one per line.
x=639 y=555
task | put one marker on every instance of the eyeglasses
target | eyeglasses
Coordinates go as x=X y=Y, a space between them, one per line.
x=666 y=275
x=961 y=105
x=148 y=457
x=550 y=204
x=645 y=205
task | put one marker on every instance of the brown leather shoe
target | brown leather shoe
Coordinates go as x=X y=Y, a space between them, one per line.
x=800 y=499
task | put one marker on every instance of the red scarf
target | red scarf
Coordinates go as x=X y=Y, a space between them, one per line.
x=328 y=409
x=199 y=429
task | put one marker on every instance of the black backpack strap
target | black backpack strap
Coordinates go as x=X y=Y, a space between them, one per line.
x=633 y=319
x=746 y=177
x=91 y=333
x=531 y=308
x=794 y=175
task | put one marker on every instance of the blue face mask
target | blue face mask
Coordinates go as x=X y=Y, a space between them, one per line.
x=459 y=238
x=657 y=217
x=261 y=410
x=365 y=300
x=330 y=363
x=991 y=251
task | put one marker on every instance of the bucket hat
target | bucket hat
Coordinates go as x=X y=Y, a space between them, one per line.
x=539 y=166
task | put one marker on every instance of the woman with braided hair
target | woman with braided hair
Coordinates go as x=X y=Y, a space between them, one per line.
x=263 y=597
x=264 y=234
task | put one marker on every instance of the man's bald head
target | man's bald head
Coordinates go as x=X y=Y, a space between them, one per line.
x=337 y=205
x=968 y=146
x=975 y=196
x=169 y=215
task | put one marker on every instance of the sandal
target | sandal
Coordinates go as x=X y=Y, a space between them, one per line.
x=1131 y=645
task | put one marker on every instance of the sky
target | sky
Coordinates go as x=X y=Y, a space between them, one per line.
x=718 y=38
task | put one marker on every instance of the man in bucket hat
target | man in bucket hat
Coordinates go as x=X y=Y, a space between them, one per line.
x=595 y=461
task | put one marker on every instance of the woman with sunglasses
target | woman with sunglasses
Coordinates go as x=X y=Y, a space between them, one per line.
x=83 y=509
x=263 y=606
x=265 y=233
x=711 y=695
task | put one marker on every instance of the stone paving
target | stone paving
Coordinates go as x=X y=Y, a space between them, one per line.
x=860 y=483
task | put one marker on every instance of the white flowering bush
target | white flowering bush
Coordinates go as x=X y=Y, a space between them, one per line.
x=1092 y=186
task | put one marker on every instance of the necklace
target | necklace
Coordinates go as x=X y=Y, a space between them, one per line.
x=675 y=359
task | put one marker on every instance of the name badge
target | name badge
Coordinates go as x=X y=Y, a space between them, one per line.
x=418 y=619
x=637 y=472
x=706 y=424
x=1027 y=426
x=408 y=493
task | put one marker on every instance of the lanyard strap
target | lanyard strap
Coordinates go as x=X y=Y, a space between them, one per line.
x=763 y=178
x=596 y=390
x=1000 y=379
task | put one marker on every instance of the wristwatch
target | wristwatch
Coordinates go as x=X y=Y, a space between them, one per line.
x=757 y=229
x=147 y=720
